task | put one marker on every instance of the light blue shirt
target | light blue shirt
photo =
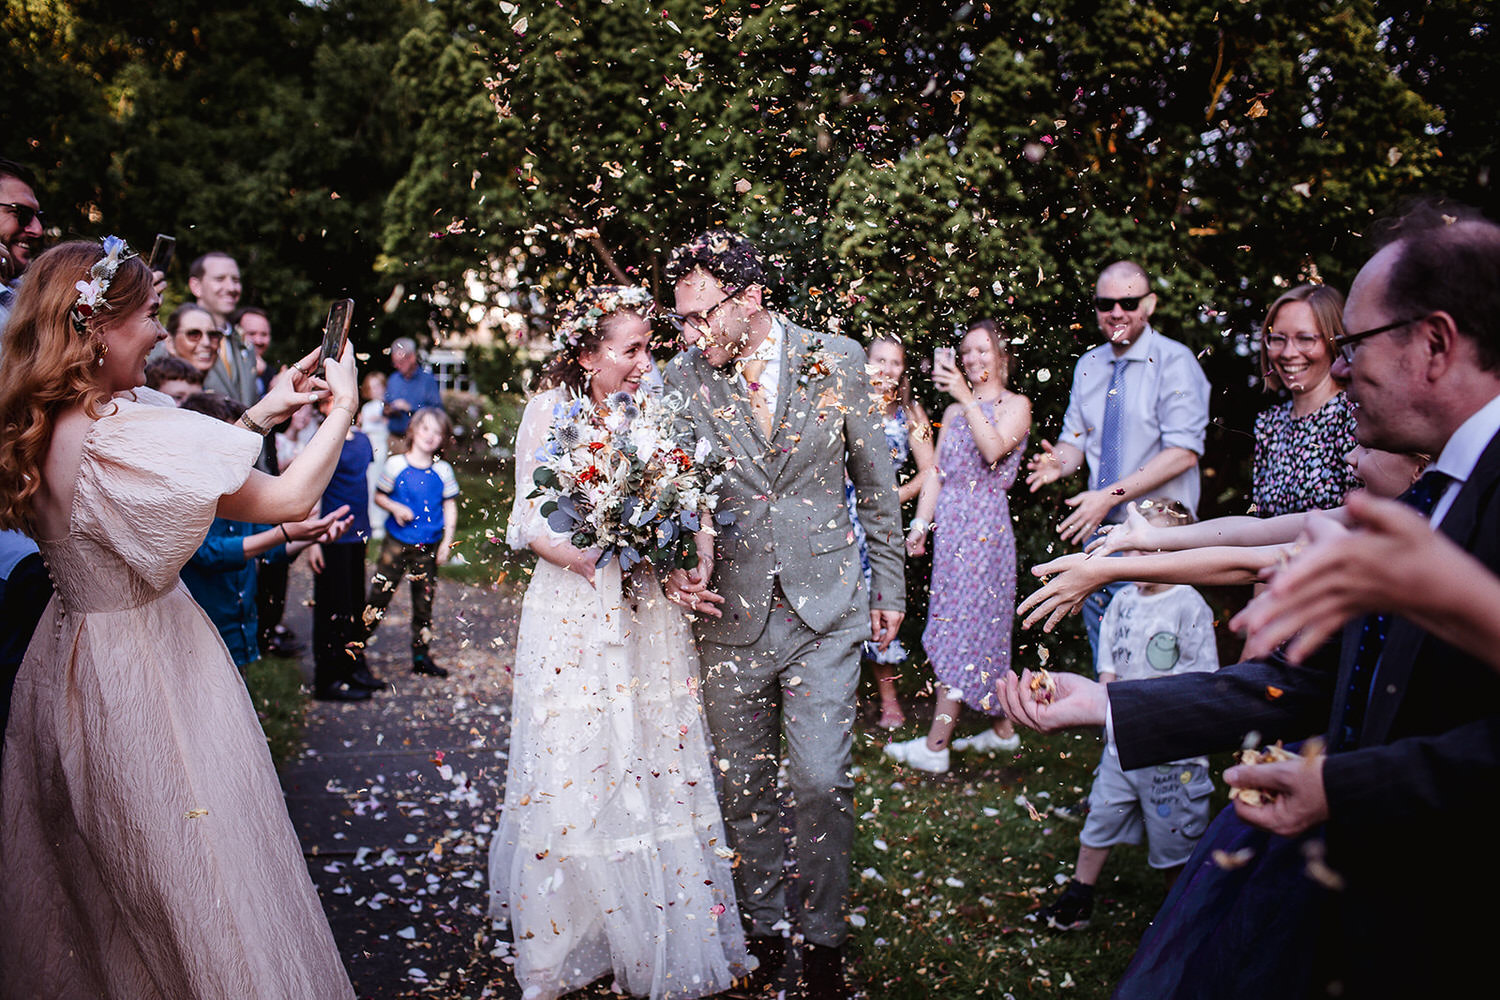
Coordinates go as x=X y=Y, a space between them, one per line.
x=1166 y=406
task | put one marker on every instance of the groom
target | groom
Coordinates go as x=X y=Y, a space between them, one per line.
x=781 y=602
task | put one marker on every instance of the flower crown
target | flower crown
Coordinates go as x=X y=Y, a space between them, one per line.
x=91 y=300
x=591 y=306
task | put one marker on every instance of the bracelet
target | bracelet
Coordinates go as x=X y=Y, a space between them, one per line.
x=284 y=534
x=249 y=422
x=921 y=525
x=352 y=411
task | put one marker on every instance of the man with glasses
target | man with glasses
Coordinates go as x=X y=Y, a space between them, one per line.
x=1136 y=416
x=20 y=231
x=1385 y=890
x=781 y=607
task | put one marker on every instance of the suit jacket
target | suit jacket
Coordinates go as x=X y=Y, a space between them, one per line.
x=1404 y=808
x=787 y=493
x=233 y=375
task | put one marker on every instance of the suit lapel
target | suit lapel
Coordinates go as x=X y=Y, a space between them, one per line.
x=794 y=401
x=1405 y=641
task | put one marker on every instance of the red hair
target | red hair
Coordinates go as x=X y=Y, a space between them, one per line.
x=50 y=366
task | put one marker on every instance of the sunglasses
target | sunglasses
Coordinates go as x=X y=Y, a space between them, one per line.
x=193 y=336
x=24 y=213
x=1129 y=303
x=700 y=320
x=1345 y=344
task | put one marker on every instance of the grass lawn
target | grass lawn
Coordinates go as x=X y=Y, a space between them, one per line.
x=280 y=701
x=946 y=868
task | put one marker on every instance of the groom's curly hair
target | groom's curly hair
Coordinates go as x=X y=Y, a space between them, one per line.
x=729 y=256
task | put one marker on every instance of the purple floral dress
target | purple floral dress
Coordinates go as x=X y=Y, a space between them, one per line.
x=973 y=597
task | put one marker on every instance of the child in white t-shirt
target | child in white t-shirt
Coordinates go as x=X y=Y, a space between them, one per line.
x=1149 y=630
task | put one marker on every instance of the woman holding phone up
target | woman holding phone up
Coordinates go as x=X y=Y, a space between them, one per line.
x=967 y=638
x=144 y=839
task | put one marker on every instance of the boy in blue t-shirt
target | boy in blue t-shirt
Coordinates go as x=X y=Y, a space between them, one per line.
x=420 y=493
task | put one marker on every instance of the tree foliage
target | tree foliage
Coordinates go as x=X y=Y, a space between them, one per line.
x=260 y=128
x=912 y=165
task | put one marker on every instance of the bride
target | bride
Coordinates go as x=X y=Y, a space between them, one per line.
x=610 y=854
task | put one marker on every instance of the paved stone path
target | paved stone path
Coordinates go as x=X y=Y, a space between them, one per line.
x=394 y=799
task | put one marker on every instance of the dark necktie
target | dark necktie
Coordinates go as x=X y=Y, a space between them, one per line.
x=1111 y=440
x=7 y=297
x=1422 y=497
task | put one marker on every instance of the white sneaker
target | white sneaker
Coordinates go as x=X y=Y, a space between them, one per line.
x=914 y=753
x=988 y=741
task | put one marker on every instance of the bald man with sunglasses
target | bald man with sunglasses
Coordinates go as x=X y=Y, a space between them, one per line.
x=1136 y=417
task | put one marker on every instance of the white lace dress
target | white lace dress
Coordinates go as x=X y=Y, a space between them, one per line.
x=610 y=853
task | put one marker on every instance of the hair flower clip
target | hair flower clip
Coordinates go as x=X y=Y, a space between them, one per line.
x=91 y=293
x=592 y=306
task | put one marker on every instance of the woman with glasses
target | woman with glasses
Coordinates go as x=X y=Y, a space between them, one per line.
x=1300 y=444
x=193 y=337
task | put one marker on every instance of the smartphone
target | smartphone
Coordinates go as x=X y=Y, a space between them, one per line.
x=942 y=356
x=161 y=253
x=336 y=330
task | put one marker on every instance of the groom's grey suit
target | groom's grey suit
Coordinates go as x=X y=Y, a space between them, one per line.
x=785 y=655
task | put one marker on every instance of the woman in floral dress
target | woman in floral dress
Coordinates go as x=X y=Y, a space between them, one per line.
x=973 y=600
x=1300 y=444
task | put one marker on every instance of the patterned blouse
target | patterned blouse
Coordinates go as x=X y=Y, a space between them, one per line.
x=1299 y=461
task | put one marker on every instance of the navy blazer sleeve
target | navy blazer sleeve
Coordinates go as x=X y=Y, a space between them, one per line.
x=1168 y=718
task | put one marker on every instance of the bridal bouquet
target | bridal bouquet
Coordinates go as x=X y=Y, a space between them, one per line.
x=619 y=480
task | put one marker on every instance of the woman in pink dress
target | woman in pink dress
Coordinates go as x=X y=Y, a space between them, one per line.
x=145 y=848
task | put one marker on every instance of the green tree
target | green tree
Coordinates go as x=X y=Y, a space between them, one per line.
x=259 y=128
x=1232 y=150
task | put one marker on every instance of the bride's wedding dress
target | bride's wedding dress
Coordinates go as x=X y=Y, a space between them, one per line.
x=610 y=853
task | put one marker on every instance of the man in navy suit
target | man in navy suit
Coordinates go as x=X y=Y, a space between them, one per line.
x=1412 y=724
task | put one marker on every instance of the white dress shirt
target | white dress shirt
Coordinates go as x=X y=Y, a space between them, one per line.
x=769 y=351
x=1462 y=453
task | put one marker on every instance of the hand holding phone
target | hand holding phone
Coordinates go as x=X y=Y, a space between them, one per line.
x=942 y=356
x=336 y=329
x=161 y=252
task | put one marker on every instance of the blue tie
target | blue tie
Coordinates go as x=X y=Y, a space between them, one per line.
x=6 y=296
x=1422 y=497
x=1111 y=444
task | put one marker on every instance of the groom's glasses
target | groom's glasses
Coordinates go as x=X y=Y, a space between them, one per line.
x=700 y=319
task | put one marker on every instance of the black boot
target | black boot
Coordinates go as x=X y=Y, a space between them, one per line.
x=771 y=953
x=342 y=692
x=823 y=972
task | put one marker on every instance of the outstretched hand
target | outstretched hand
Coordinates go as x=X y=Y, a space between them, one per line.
x=1076 y=701
x=1074 y=578
x=1043 y=467
x=1135 y=532
x=326 y=528
x=1334 y=575
x=1090 y=508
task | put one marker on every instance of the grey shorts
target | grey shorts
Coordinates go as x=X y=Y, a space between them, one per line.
x=1167 y=803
